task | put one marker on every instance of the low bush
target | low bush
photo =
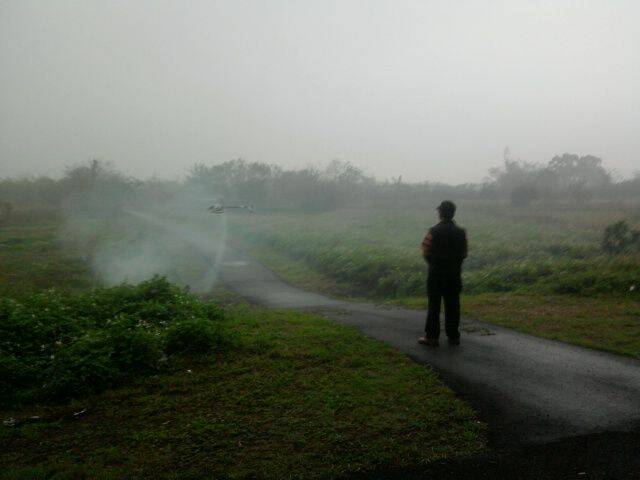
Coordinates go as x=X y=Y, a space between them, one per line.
x=193 y=337
x=55 y=345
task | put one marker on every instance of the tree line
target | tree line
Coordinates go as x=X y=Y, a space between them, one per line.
x=95 y=186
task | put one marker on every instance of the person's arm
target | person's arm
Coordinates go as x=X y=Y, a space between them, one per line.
x=465 y=245
x=425 y=246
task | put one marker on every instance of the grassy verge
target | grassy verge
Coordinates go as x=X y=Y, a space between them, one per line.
x=32 y=257
x=603 y=323
x=301 y=398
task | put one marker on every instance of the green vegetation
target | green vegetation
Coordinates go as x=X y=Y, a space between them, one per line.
x=150 y=381
x=538 y=272
x=600 y=322
x=619 y=238
x=32 y=257
x=511 y=250
x=56 y=346
x=298 y=397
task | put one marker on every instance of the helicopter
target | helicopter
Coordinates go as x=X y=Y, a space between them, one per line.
x=220 y=207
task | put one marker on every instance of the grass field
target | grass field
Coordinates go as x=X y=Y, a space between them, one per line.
x=303 y=398
x=32 y=257
x=539 y=272
x=294 y=395
x=510 y=250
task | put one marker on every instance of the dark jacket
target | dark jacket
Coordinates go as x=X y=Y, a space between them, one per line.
x=444 y=248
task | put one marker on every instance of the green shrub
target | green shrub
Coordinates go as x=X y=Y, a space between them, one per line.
x=55 y=345
x=85 y=366
x=14 y=375
x=132 y=349
x=191 y=337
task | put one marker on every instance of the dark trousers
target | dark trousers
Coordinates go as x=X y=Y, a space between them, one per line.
x=449 y=290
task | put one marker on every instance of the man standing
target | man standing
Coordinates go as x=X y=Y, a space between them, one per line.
x=444 y=248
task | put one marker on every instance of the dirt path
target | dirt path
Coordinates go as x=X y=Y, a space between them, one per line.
x=528 y=389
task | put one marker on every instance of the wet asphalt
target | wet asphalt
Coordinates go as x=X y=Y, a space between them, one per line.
x=530 y=391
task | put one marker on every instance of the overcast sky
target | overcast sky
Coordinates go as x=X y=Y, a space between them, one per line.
x=431 y=90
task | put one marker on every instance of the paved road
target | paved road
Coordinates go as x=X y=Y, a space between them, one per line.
x=528 y=389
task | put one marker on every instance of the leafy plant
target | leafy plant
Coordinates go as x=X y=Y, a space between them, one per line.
x=192 y=337
x=55 y=345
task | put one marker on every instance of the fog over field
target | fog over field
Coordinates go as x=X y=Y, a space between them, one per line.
x=228 y=229
x=431 y=90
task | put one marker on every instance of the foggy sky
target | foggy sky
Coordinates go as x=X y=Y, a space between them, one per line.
x=431 y=90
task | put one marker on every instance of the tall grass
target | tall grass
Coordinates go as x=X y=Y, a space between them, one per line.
x=510 y=250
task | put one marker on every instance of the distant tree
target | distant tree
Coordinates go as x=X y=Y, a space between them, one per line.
x=344 y=172
x=514 y=174
x=580 y=193
x=96 y=174
x=566 y=175
x=571 y=170
x=344 y=182
x=235 y=180
x=304 y=190
x=96 y=188
x=523 y=195
x=506 y=154
x=488 y=191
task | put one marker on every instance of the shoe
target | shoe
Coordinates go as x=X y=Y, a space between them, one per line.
x=430 y=342
x=454 y=341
